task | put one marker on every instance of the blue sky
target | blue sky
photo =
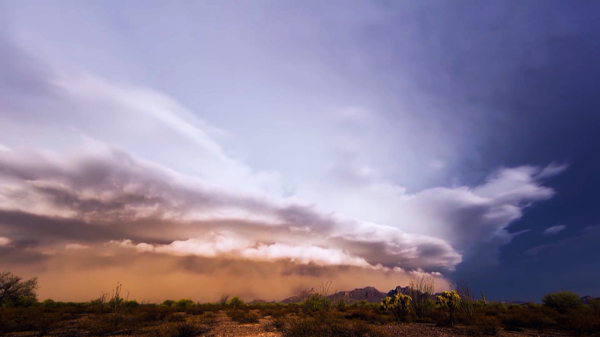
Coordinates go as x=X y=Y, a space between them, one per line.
x=361 y=142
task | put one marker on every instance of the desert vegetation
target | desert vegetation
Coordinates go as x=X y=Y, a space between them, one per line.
x=419 y=312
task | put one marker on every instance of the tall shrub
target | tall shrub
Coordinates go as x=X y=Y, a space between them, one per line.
x=562 y=301
x=15 y=292
x=421 y=289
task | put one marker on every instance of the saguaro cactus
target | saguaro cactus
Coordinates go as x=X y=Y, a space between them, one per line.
x=449 y=300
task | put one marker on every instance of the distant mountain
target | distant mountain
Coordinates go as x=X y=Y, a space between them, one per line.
x=259 y=301
x=399 y=290
x=299 y=297
x=372 y=295
x=586 y=299
x=369 y=294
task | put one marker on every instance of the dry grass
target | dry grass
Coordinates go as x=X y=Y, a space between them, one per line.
x=290 y=320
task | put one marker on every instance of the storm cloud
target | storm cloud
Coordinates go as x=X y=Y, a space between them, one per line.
x=363 y=143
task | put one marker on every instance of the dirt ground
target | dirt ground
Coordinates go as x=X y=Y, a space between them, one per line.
x=227 y=328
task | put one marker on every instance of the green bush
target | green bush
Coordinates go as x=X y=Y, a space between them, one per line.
x=316 y=302
x=184 y=303
x=168 y=303
x=236 y=302
x=130 y=304
x=562 y=301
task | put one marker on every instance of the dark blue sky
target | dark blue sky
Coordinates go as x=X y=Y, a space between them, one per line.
x=545 y=110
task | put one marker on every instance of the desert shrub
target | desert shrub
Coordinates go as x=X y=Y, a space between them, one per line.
x=116 y=300
x=276 y=324
x=479 y=304
x=146 y=314
x=368 y=315
x=29 y=319
x=175 y=317
x=316 y=302
x=399 y=306
x=184 y=303
x=99 y=302
x=184 y=329
x=531 y=318
x=562 y=301
x=46 y=323
x=107 y=324
x=209 y=307
x=329 y=326
x=49 y=303
x=421 y=291
x=362 y=304
x=278 y=310
x=207 y=318
x=223 y=300
x=341 y=304
x=449 y=300
x=168 y=303
x=500 y=306
x=130 y=304
x=236 y=302
x=243 y=316
x=594 y=304
x=484 y=326
x=584 y=321
x=15 y=292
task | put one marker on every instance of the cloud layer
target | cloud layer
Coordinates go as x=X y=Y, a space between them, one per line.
x=98 y=198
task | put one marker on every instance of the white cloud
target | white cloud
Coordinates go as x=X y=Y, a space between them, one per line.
x=231 y=245
x=4 y=241
x=554 y=230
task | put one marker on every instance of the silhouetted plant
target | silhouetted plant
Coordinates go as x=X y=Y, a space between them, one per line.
x=183 y=329
x=449 y=300
x=184 y=303
x=223 y=300
x=168 y=303
x=14 y=292
x=420 y=290
x=399 y=306
x=116 y=299
x=562 y=301
x=236 y=302
x=467 y=302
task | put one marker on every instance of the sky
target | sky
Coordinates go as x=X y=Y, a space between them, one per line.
x=259 y=148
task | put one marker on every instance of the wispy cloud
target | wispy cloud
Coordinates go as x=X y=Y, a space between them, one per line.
x=554 y=229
